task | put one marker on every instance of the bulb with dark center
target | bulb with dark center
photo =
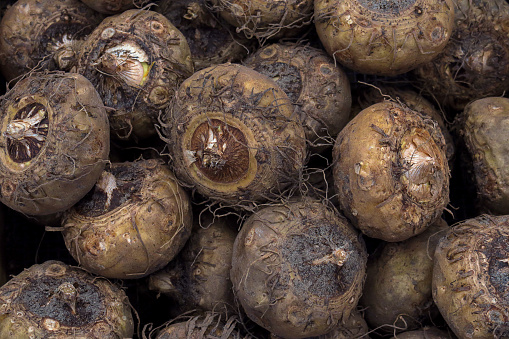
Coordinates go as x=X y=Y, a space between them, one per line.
x=26 y=133
x=220 y=151
x=498 y=269
x=62 y=302
x=285 y=75
x=68 y=294
x=470 y=277
x=114 y=188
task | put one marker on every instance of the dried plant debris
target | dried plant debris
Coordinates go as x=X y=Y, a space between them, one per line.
x=207 y=326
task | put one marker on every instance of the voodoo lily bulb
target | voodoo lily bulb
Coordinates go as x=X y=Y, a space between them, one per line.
x=136 y=60
x=298 y=268
x=266 y=19
x=199 y=277
x=211 y=39
x=318 y=88
x=43 y=34
x=55 y=300
x=55 y=141
x=384 y=37
x=233 y=136
x=483 y=126
x=475 y=64
x=412 y=99
x=135 y=220
x=390 y=171
x=397 y=289
x=470 y=273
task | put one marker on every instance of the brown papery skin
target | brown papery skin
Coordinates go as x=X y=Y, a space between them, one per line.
x=470 y=280
x=390 y=171
x=384 y=37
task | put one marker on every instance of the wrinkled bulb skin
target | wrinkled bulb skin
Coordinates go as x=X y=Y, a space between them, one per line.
x=475 y=64
x=384 y=37
x=199 y=277
x=136 y=60
x=55 y=142
x=353 y=327
x=55 y=300
x=211 y=39
x=391 y=173
x=413 y=100
x=455 y=78
x=266 y=19
x=318 y=88
x=132 y=224
x=298 y=269
x=470 y=277
x=43 y=34
x=397 y=290
x=483 y=127
x=234 y=136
